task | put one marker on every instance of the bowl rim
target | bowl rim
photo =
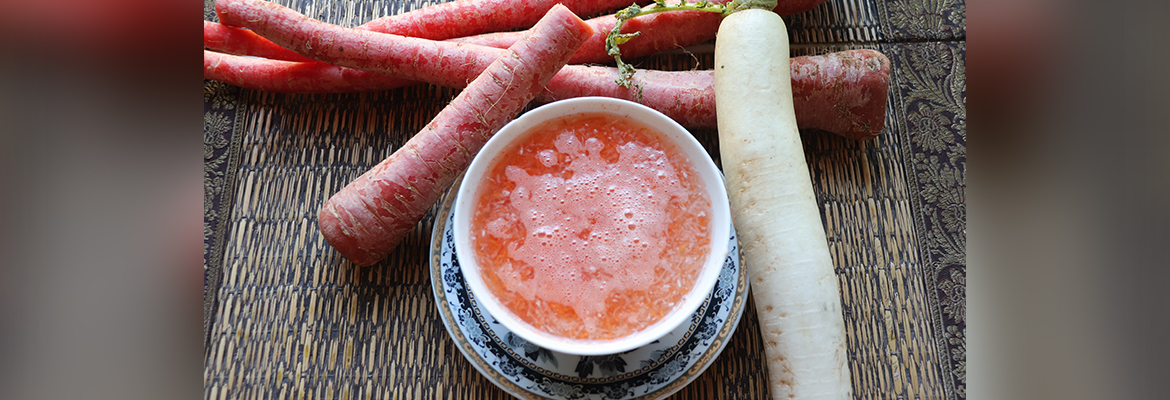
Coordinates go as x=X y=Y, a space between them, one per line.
x=684 y=140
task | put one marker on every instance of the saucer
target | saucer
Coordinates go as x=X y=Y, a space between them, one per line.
x=524 y=370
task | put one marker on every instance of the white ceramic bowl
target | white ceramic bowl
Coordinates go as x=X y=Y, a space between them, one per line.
x=719 y=228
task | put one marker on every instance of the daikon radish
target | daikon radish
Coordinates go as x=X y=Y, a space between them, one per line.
x=775 y=211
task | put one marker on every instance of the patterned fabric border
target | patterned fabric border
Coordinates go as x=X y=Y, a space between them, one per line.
x=923 y=20
x=221 y=143
x=930 y=108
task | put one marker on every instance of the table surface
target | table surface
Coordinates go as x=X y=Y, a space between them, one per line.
x=286 y=316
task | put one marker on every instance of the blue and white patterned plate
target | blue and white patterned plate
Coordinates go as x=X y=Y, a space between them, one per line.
x=654 y=371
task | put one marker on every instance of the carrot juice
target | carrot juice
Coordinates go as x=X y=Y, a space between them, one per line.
x=591 y=226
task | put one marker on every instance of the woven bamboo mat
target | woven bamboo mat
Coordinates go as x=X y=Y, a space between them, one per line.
x=288 y=317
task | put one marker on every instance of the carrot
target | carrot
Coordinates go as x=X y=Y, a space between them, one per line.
x=472 y=17
x=658 y=32
x=775 y=211
x=294 y=77
x=436 y=62
x=843 y=93
x=367 y=218
x=437 y=22
x=244 y=42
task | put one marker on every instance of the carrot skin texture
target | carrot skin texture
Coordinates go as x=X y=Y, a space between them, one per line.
x=687 y=97
x=294 y=77
x=366 y=220
x=472 y=17
x=844 y=93
x=230 y=40
x=452 y=20
x=659 y=32
x=440 y=63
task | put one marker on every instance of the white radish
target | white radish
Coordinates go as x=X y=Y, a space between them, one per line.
x=775 y=211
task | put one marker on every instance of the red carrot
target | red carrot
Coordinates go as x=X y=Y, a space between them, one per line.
x=843 y=93
x=294 y=77
x=847 y=96
x=438 y=22
x=367 y=219
x=440 y=63
x=247 y=43
x=659 y=32
x=472 y=17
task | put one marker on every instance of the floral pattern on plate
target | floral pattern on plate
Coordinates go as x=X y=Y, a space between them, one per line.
x=527 y=371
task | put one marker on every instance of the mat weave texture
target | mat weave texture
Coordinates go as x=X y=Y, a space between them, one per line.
x=287 y=317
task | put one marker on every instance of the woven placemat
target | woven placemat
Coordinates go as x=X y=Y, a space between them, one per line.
x=288 y=317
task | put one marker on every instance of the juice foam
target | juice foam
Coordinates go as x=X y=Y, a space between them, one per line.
x=593 y=227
